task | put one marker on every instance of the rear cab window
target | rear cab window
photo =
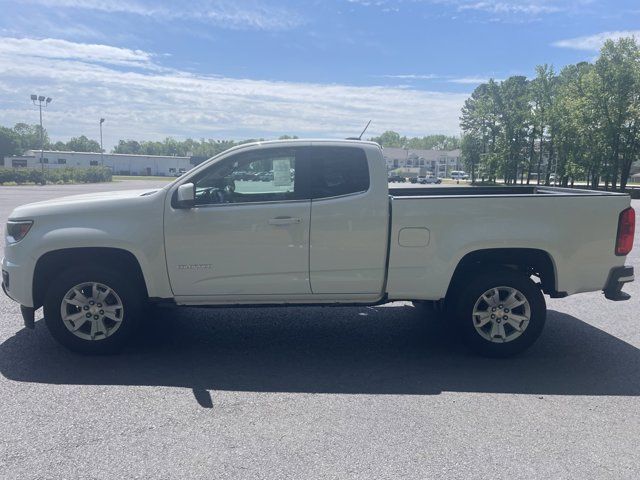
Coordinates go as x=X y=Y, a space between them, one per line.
x=337 y=171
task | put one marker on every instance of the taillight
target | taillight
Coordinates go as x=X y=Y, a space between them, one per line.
x=626 y=227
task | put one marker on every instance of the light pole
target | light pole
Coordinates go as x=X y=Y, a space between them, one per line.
x=101 y=149
x=47 y=100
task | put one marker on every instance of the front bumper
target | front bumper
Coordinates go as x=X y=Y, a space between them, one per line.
x=617 y=278
x=5 y=284
x=28 y=313
x=16 y=282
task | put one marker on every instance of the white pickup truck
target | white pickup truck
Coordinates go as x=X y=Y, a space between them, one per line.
x=322 y=229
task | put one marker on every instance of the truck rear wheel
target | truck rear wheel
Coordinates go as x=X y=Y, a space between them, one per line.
x=500 y=313
x=92 y=310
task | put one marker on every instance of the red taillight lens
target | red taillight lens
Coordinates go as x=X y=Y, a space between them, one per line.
x=626 y=227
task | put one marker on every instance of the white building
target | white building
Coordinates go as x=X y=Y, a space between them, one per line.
x=437 y=162
x=120 y=164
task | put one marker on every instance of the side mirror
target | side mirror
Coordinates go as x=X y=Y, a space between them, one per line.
x=186 y=196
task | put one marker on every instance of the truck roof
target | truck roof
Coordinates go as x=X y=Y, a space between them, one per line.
x=305 y=141
x=348 y=141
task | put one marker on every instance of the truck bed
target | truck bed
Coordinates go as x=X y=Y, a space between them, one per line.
x=507 y=190
x=440 y=225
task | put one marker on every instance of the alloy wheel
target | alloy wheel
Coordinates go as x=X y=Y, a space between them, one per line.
x=501 y=314
x=92 y=311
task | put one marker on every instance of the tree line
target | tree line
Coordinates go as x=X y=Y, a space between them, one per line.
x=23 y=137
x=581 y=124
x=203 y=148
x=427 y=142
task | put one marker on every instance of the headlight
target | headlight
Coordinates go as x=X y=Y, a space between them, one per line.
x=17 y=230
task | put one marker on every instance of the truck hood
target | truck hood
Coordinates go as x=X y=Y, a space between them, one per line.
x=85 y=202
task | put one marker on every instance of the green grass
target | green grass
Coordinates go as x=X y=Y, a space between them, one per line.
x=451 y=181
x=479 y=183
x=118 y=178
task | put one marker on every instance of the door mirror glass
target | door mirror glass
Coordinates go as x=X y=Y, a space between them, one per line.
x=186 y=195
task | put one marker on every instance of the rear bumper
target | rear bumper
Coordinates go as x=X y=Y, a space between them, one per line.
x=617 y=278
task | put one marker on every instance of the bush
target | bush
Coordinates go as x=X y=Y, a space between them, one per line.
x=5 y=175
x=55 y=175
x=36 y=176
x=21 y=176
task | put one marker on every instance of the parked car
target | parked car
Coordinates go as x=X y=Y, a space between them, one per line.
x=337 y=235
x=424 y=179
x=432 y=179
x=459 y=175
x=397 y=178
x=245 y=176
x=543 y=177
x=265 y=177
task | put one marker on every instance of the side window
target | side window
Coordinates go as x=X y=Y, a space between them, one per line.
x=338 y=171
x=259 y=176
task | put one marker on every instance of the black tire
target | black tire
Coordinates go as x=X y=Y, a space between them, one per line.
x=463 y=303
x=129 y=293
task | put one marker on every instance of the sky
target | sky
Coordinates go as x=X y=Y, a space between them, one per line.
x=264 y=68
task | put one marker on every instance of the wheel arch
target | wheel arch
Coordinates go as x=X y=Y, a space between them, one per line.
x=529 y=261
x=55 y=261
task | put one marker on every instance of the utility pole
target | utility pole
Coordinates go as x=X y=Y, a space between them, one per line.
x=101 y=149
x=47 y=100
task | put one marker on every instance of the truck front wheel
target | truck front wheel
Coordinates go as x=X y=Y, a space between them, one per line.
x=92 y=310
x=500 y=313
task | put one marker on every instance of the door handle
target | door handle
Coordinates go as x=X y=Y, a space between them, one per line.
x=284 y=221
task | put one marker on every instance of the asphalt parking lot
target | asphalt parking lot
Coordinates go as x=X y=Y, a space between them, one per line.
x=371 y=392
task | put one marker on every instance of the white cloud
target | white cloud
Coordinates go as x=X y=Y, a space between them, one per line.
x=372 y=3
x=52 y=48
x=527 y=7
x=593 y=43
x=154 y=102
x=498 y=8
x=412 y=76
x=249 y=14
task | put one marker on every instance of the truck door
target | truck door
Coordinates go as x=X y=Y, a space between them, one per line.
x=349 y=221
x=248 y=233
